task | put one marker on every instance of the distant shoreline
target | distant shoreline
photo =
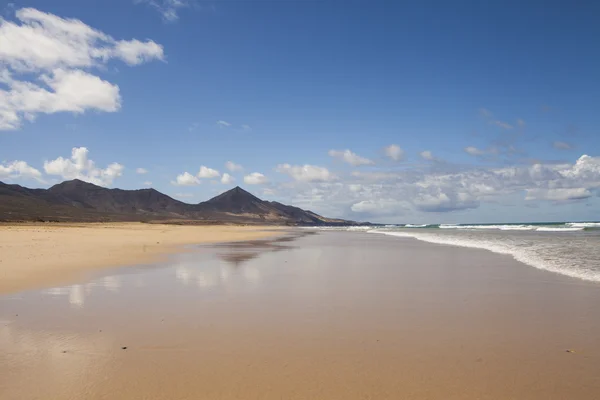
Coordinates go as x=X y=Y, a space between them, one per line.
x=42 y=254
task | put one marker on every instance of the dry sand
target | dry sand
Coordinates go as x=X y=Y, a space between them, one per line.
x=36 y=255
x=334 y=316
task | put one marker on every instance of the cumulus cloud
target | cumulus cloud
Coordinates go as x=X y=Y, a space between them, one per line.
x=380 y=207
x=349 y=157
x=233 y=167
x=141 y=171
x=255 y=178
x=19 y=170
x=561 y=194
x=445 y=188
x=394 y=152
x=79 y=166
x=306 y=173
x=45 y=64
x=227 y=179
x=185 y=179
x=562 y=145
x=168 y=9
x=474 y=151
x=208 y=173
x=427 y=155
x=223 y=124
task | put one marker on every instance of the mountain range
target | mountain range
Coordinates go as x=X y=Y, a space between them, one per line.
x=79 y=201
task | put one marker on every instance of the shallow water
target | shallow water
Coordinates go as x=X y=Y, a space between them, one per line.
x=336 y=315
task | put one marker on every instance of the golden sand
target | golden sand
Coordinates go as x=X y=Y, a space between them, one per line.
x=36 y=255
x=333 y=316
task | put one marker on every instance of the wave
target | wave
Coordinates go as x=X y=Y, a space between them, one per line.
x=566 y=229
x=583 y=224
x=529 y=255
x=509 y=227
x=498 y=227
x=415 y=226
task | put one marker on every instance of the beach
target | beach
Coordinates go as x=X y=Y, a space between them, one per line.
x=310 y=315
x=38 y=255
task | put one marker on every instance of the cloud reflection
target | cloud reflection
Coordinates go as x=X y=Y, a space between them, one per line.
x=77 y=294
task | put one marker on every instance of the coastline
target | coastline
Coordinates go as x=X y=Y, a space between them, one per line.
x=336 y=315
x=36 y=255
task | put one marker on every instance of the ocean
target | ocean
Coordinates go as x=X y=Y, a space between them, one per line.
x=568 y=248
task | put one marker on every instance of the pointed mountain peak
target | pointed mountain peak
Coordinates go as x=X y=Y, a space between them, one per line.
x=237 y=195
x=74 y=184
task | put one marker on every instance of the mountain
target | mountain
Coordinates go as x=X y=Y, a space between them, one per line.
x=76 y=200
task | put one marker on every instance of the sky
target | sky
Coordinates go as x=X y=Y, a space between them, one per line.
x=382 y=111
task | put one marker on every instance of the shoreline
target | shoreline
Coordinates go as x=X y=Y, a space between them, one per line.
x=34 y=255
x=335 y=315
x=520 y=254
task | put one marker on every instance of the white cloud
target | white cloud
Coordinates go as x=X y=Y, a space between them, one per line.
x=380 y=207
x=79 y=166
x=45 y=63
x=246 y=128
x=148 y=183
x=394 y=152
x=502 y=124
x=223 y=124
x=427 y=155
x=350 y=157
x=233 y=167
x=73 y=91
x=255 y=178
x=474 y=151
x=135 y=52
x=520 y=123
x=437 y=199
x=183 y=195
x=306 y=173
x=168 y=9
x=227 y=179
x=19 y=169
x=558 y=194
x=208 y=173
x=487 y=115
x=141 y=171
x=185 y=179
x=444 y=188
x=562 y=145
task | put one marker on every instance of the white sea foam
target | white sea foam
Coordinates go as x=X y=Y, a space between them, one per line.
x=358 y=228
x=558 y=229
x=564 y=228
x=414 y=226
x=496 y=227
x=537 y=253
x=584 y=224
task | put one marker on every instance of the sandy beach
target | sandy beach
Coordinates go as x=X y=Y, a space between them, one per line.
x=333 y=315
x=37 y=255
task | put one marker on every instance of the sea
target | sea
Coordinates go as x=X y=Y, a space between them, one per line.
x=568 y=248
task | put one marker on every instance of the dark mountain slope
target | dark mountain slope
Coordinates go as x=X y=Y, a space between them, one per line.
x=76 y=200
x=143 y=201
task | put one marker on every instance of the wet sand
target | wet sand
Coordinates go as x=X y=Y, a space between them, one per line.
x=336 y=315
x=37 y=255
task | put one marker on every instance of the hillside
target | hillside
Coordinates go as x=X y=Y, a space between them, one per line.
x=76 y=201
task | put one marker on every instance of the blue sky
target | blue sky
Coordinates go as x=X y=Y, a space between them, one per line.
x=489 y=107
